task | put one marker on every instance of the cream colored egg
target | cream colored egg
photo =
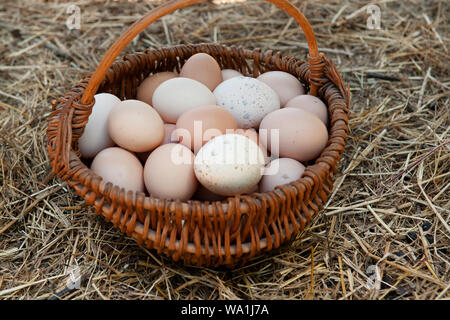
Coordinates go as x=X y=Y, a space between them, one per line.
x=280 y=172
x=247 y=99
x=229 y=164
x=95 y=136
x=175 y=96
x=230 y=73
x=136 y=126
x=148 y=86
x=120 y=167
x=169 y=137
x=285 y=85
x=169 y=172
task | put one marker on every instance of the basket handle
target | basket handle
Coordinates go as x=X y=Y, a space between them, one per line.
x=172 y=6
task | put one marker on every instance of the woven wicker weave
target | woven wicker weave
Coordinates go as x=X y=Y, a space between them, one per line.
x=219 y=233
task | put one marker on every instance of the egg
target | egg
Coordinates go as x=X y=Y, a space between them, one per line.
x=148 y=86
x=285 y=85
x=301 y=135
x=197 y=126
x=229 y=164
x=135 y=126
x=95 y=136
x=120 y=167
x=169 y=172
x=175 y=96
x=280 y=172
x=311 y=104
x=169 y=137
x=203 y=68
x=230 y=73
x=247 y=99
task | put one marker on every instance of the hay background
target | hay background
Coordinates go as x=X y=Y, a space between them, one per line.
x=390 y=206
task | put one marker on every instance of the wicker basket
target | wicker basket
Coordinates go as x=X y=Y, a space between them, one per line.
x=219 y=233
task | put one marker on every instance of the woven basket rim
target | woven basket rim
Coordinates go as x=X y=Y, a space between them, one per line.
x=227 y=199
x=184 y=209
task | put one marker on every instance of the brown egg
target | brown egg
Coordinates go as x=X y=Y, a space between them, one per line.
x=120 y=167
x=311 y=104
x=197 y=126
x=169 y=137
x=135 y=126
x=169 y=172
x=302 y=136
x=280 y=172
x=148 y=86
x=203 y=68
x=284 y=84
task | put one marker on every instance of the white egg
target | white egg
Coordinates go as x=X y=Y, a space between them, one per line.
x=247 y=99
x=175 y=96
x=95 y=136
x=229 y=164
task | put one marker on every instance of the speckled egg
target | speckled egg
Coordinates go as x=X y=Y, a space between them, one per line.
x=247 y=99
x=229 y=164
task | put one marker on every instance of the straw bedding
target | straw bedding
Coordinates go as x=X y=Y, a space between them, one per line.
x=384 y=233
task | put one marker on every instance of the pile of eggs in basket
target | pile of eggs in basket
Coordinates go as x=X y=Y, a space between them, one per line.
x=206 y=133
